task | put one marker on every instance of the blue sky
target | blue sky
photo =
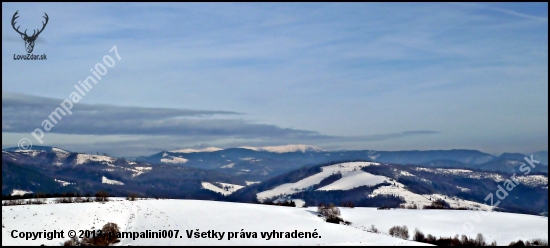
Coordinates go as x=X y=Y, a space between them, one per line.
x=334 y=75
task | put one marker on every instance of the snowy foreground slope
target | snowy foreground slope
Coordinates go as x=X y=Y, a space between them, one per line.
x=184 y=215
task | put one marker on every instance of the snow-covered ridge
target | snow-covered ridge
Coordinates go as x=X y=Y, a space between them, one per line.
x=464 y=173
x=352 y=177
x=411 y=198
x=228 y=166
x=208 y=149
x=285 y=148
x=83 y=158
x=60 y=153
x=30 y=153
x=138 y=170
x=226 y=189
x=173 y=160
x=402 y=173
x=58 y=150
x=63 y=183
x=355 y=179
x=109 y=181
x=20 y=192
x=533 y=180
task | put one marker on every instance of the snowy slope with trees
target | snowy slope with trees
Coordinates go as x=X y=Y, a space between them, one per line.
x=495 y=226
x=352 y=169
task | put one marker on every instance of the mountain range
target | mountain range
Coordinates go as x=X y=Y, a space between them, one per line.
x=264 y=162
x=309 y=174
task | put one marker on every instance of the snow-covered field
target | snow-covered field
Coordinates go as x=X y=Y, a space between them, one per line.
x=182 y=215
x=502 y=227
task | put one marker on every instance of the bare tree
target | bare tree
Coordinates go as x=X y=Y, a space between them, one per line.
x=399 y=232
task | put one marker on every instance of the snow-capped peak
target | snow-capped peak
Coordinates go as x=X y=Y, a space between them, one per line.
x=57 y=150
x=208 y=149
x=83 y=158
x=286 y=148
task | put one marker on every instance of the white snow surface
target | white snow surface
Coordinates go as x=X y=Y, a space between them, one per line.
x=250 y=159
x=227 y=189
x=57 y=150
x=182 y=215
x=63 y=183
x=208 y=149
x=142 y=168
x=60 y=153
x=83 y=158
x=495 y=226
x=355 y=179
x=30 y=153
x=138 y=170
x=248 y=183
x=109 y=181
x=533 y=180
x=465 y=173
x=411 y=198
x=20 y=192
x=304 y=184
x=285 y=148
x=228 y=166
x=353 y=176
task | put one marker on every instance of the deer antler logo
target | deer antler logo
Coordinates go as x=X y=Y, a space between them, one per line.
x=29 y=40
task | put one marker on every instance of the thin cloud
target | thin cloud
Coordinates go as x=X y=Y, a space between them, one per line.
x=24 y=113
x=505 y=11
x=153 y=127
